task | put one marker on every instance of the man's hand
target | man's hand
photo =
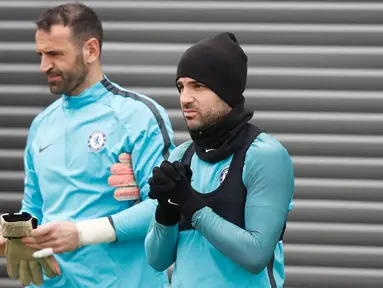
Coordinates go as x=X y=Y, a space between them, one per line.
x=59 y=236
x=170 y=185
x=162 y=189
x=182 y=195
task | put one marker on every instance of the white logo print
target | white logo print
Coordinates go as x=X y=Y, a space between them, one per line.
x=96 y=141
x=172 y=203
x=223 y=174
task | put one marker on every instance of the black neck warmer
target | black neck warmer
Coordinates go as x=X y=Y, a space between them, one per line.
x=222 y=139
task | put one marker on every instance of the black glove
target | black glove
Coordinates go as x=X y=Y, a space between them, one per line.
x=182 y=193
x=161 y=188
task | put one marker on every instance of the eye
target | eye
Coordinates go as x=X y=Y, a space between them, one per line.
x=199 y=86
x=54 y=53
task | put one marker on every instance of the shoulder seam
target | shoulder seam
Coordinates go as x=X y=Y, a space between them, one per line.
x=160 y=121
x=115 y=114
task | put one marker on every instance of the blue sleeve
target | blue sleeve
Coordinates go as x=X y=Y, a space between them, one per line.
x=268 y=176
x=148 y=149
x=161 y=241
x=32 y=201
x=161 y=245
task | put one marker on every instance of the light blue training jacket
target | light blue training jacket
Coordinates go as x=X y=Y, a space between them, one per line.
x=70 y=148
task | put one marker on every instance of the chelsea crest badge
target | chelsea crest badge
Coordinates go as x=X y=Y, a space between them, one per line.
x=97 y=141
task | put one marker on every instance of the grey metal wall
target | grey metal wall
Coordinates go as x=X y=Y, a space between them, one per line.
x=315 y=81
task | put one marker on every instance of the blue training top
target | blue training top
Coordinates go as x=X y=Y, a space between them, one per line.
x=70 y=148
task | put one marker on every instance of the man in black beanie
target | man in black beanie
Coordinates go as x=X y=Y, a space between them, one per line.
x=224 y=196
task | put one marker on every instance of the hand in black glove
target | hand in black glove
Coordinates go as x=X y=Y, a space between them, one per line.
x=162 y=188
x=182 y=193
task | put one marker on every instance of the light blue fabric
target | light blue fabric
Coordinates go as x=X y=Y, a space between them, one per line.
x=219 y=253
x=67 y=181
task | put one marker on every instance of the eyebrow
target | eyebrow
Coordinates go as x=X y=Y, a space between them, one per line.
x=190 y=82
x=49 y=52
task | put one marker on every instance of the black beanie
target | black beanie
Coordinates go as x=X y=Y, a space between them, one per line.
x=219 y=63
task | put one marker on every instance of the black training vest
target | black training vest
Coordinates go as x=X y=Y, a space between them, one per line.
x=228 y=200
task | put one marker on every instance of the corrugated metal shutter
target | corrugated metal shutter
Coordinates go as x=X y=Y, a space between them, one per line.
x=315 y=81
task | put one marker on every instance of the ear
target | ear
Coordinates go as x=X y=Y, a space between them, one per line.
x=91 y=50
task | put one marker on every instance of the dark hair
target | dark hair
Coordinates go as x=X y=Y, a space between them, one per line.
x=82 y=20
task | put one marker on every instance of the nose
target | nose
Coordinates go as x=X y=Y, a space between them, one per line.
x=45 y=64
x=186 y=96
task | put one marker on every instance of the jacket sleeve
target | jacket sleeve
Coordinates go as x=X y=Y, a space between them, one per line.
x=161 y=245
x=161 y=241
x=32 y=201
x=150 y=138
x=268 y=176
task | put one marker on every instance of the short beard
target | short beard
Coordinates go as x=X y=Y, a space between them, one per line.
x=212 y=116
x=72 y=79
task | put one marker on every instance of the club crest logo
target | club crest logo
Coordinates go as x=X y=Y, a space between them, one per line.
x=97 y=141
x=223 y=174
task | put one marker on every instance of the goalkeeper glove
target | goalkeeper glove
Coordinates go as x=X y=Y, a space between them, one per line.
x=19 y=259
x=124 y=180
